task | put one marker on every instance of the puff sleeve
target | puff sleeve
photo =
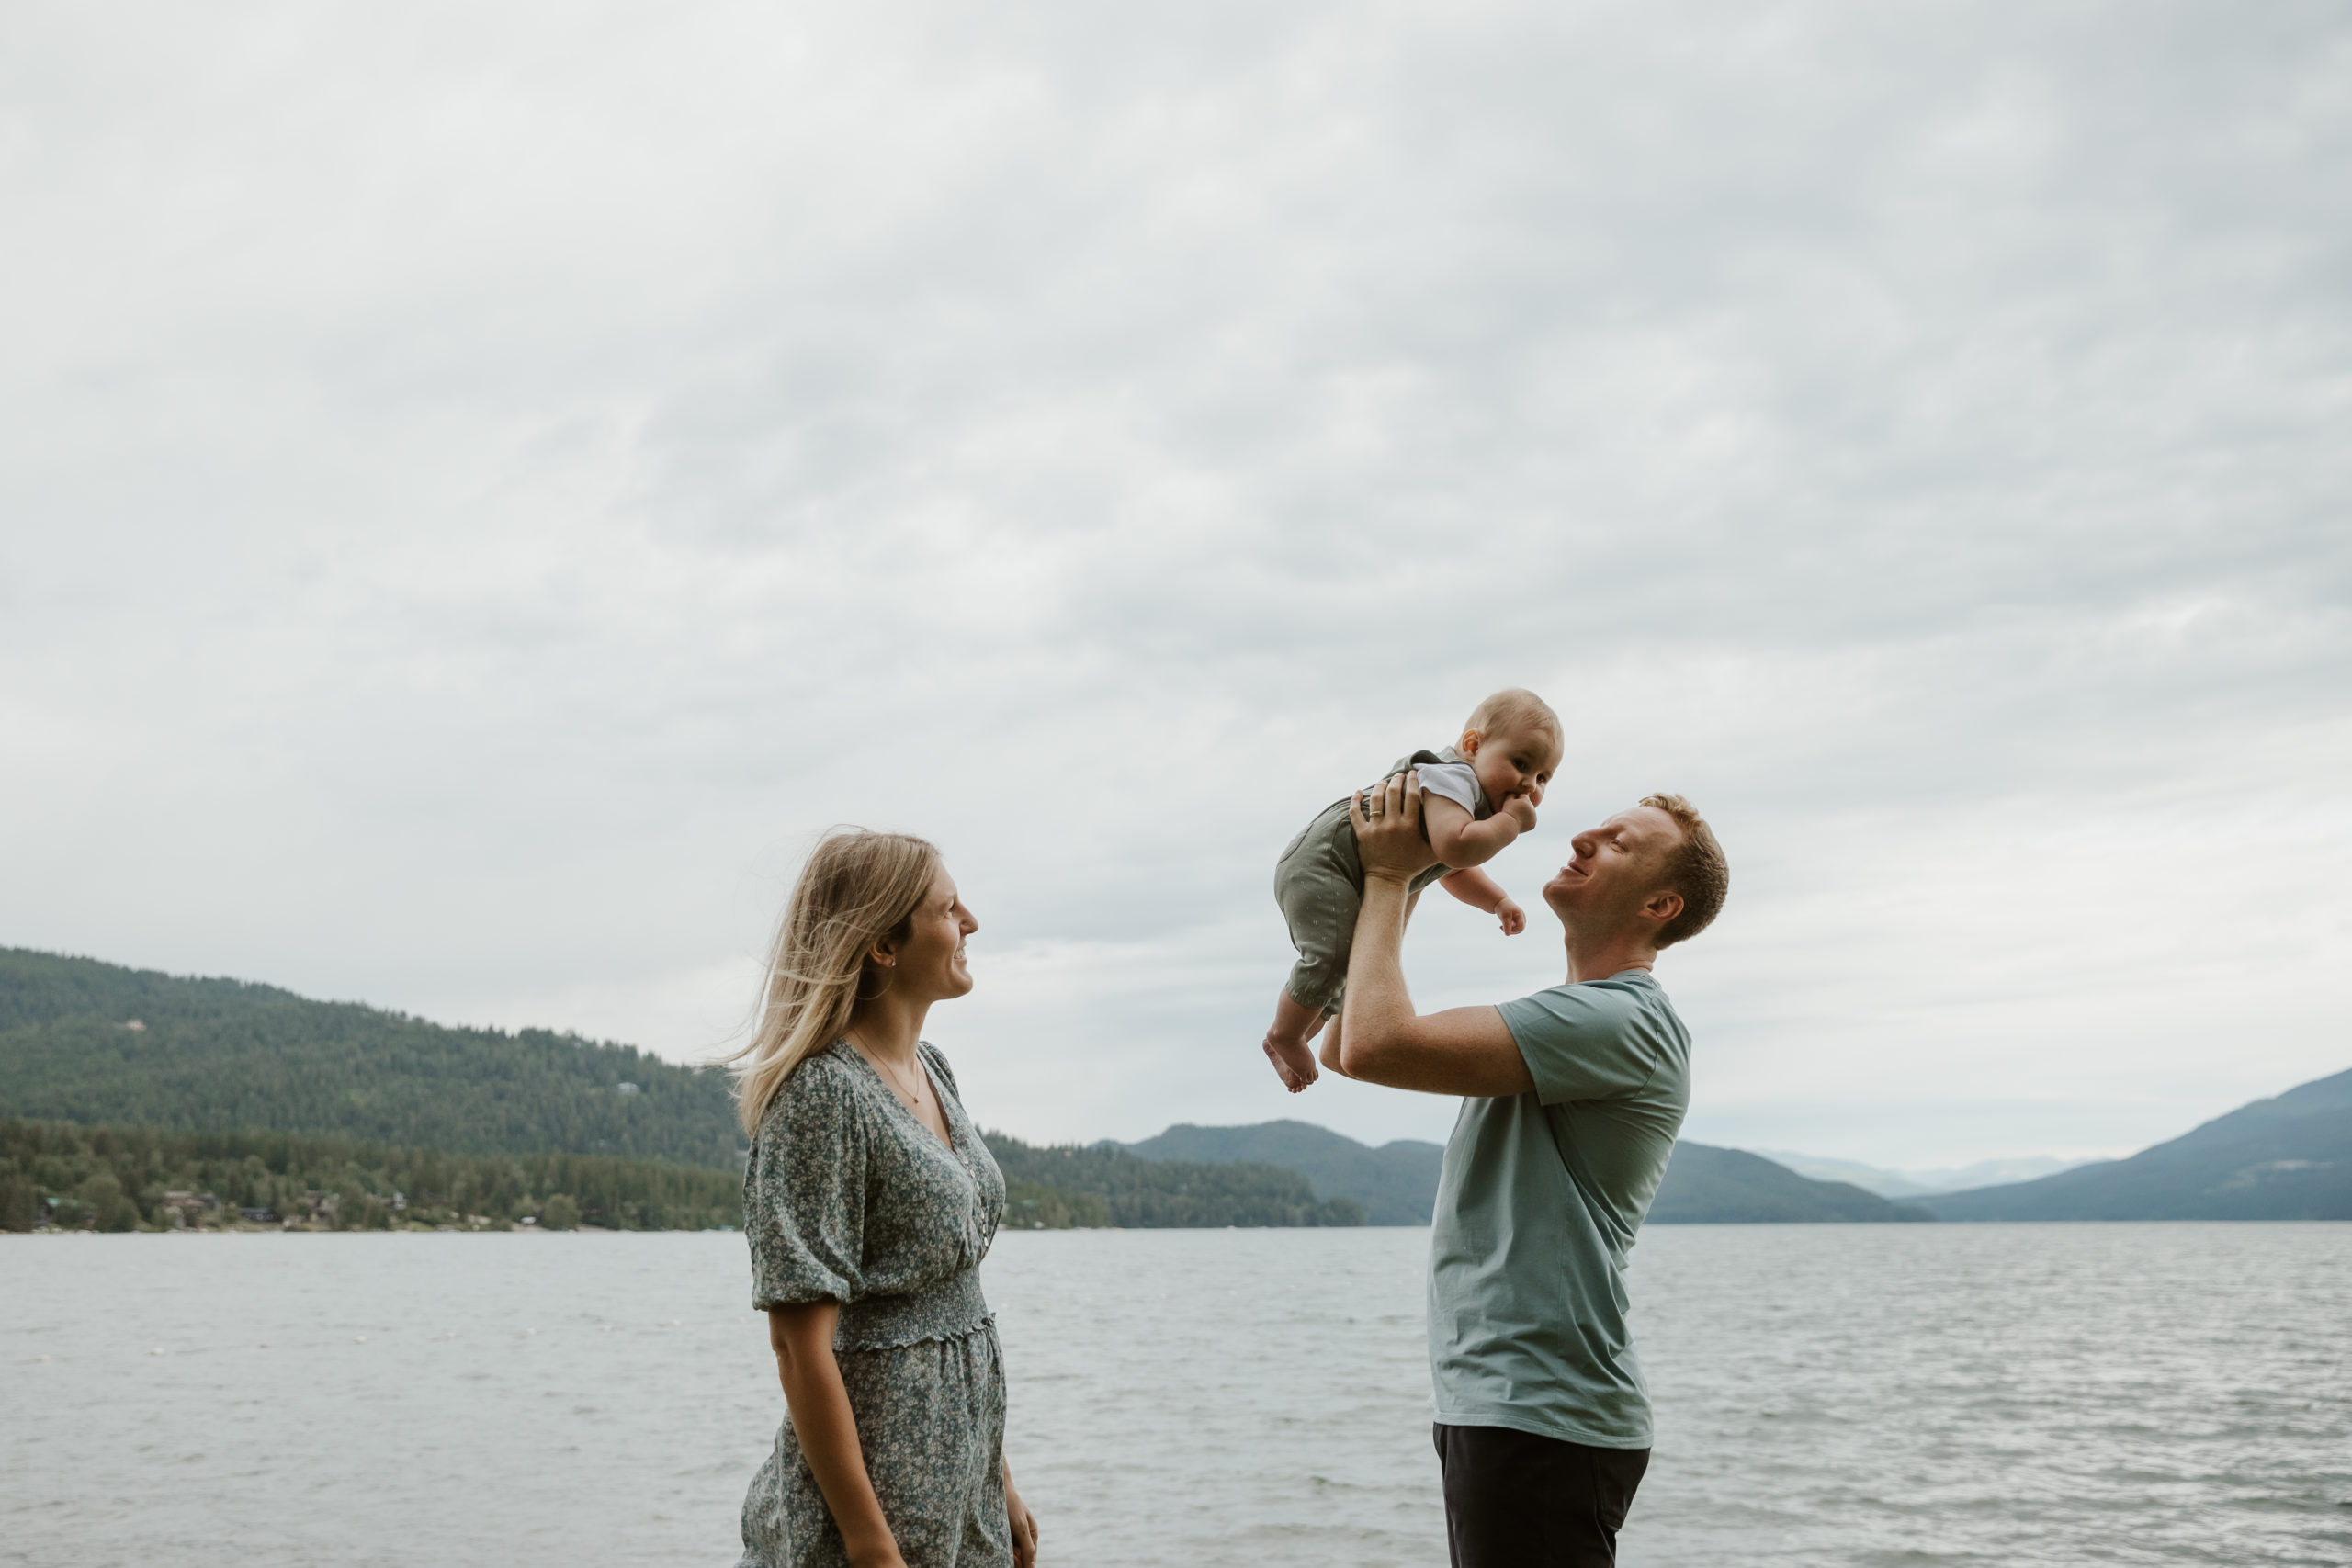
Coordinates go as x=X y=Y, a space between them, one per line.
x=804 y=1191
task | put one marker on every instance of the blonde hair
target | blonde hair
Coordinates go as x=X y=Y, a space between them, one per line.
x=857 y=888
x=1696 y=868
x=1514 y=708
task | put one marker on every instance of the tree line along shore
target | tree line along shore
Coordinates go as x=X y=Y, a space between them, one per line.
x=143 y=1101
x=148 y=1101
x=62 y=1176
x=55 y=1174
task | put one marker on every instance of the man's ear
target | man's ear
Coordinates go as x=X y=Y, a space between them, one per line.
x=1662 y=906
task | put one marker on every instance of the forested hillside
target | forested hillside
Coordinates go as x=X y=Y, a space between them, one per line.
x=1708 y=1186
x=82 y=1041
x=119 y=1178
x=261 y=1097
x=1104 y=1185
x=1395 y=1184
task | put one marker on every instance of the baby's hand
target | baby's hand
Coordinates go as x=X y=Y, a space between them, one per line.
x=1520 y=810
x=1513 y=918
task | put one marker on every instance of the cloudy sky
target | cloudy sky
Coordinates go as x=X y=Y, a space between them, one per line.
x=481 y=487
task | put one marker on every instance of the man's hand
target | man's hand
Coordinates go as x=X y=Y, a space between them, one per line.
x=1513 y=918
x=1522 y=810
x=1389 y=840
x=1463 y=1050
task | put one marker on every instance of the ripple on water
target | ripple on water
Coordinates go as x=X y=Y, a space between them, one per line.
x=1851 y=1397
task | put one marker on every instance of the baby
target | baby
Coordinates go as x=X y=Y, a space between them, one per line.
x=1477 y=795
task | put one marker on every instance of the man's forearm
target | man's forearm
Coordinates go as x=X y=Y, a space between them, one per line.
x=1378 y=1001
x=1384 y=1041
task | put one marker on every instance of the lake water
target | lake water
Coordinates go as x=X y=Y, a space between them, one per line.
x=1827 y=1396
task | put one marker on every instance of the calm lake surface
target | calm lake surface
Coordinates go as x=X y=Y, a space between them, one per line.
x=1827 y=1396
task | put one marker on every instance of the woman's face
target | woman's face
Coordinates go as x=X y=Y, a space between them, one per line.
x=931 y=965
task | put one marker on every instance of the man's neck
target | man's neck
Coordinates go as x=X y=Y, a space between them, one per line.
x=1597 y=958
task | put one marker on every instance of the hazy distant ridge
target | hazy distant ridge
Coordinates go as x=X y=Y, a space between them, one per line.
x=2283 y=1158
x=1906 y=1185
x=1396 y=1183
x=1708 y=1186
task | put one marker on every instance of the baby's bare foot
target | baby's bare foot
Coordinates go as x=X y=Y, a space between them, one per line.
x=1294 y=1061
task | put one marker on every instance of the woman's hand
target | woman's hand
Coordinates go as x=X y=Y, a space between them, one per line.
x=1389 y=840
x=818 y=1402
x=1023 y=1523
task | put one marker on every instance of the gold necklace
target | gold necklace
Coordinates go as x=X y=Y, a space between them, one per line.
x=913 y=1096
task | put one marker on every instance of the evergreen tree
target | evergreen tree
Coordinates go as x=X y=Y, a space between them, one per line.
x=19 y=1203
x=212 y=1054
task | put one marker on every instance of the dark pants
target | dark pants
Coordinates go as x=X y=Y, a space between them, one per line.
x=1515 y=1500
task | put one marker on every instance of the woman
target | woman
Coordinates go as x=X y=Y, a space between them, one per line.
x=869 y=1202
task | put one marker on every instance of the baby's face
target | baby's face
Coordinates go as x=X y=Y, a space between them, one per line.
x=1510 y=762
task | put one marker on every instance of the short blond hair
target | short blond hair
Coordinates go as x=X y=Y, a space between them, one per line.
x=1695 y=868
x=1514 y=708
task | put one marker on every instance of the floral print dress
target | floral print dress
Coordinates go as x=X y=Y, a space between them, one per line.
x=850 y=1198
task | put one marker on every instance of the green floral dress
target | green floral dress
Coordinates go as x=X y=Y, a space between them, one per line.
x=850 y=1198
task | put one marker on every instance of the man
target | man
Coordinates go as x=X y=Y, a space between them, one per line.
x=1573 y=1097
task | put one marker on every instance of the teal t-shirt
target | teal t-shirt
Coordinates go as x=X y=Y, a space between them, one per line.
x=1536 y=1208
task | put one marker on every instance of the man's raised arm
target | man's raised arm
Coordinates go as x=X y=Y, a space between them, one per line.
x=1382 y=1040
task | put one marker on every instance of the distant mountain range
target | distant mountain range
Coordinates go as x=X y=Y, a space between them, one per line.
x=2284 y=1158
x=1104 y=1185
x=91 y=1044
x=1396 y=1183
x=1905 y=1184
x=1708 y=1186
x=154 y=1058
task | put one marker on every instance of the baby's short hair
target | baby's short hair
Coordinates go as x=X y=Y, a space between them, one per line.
x=1514 y=708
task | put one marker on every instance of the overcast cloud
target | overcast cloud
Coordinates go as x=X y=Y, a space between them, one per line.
x=482 y=486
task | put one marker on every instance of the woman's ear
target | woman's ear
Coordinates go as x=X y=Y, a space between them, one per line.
x=882 y=955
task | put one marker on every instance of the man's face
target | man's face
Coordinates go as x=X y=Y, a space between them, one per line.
x=1615 y=872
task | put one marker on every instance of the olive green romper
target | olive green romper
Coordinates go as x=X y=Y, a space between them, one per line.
x=850 y=1198
x=1319 y=885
